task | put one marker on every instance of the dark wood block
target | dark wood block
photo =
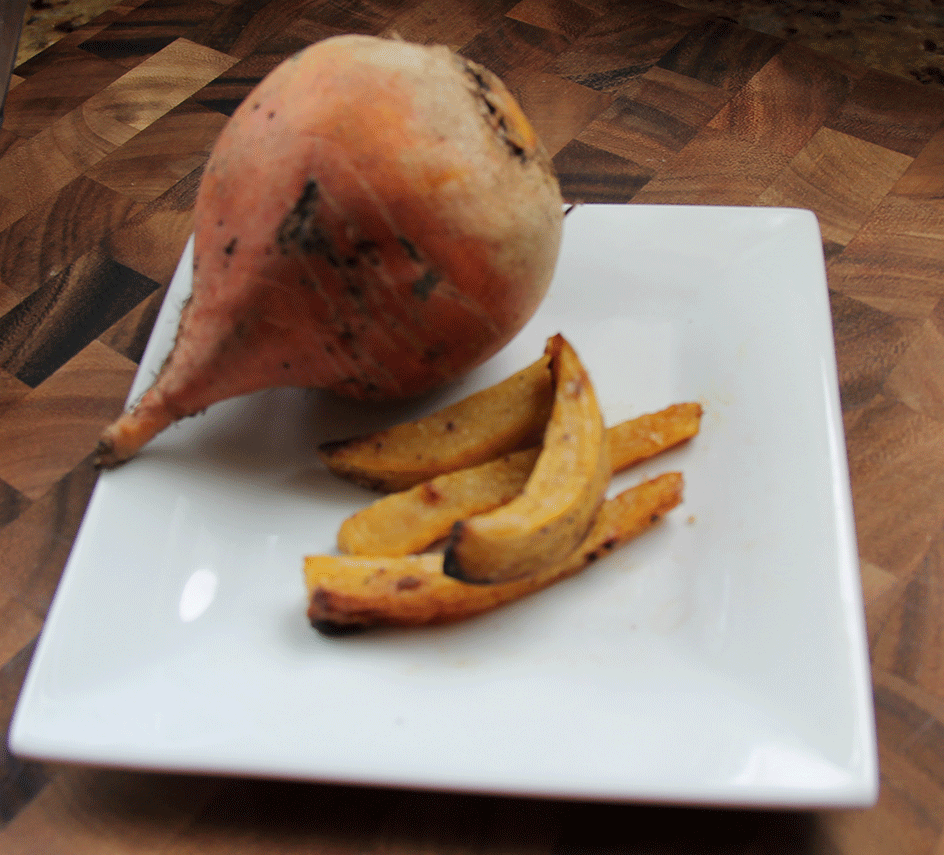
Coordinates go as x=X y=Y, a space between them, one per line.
x=511 y=44
x=450 y=22
x=752 y=139
x=830 y=161
x=54 y=234
x=72 y=75
x=891 y=112
x=152 y=240
x=557 y=108
x=869 y=345
x=896 y=462
x=589 y=174
x=566 y=18
x=370 y=17
x=62 y=316
x=721 y=53
x=654 y=116
x=895 y=262
x=36 y=544
x=129 y=336
x=154 y=25
x=228 y=90
x=166 y=151
x=12 y=503
x=616 y=49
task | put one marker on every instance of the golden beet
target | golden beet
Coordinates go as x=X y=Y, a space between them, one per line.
x=377 y=218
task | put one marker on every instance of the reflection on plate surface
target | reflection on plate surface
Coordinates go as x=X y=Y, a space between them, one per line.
x=720 y=658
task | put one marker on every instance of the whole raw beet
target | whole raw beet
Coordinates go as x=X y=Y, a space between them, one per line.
x=377 y=218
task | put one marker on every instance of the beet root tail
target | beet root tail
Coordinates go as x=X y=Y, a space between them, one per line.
x=124 y=437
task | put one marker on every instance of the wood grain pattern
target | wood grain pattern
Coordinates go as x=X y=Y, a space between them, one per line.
x=744 y=147
x=510 y=44
x=867 y=171
x=58 y=87
x=654 y=116
x=917 y=380
x=42 y=243
x=889 y=112
x=51 y=429
x=66 y=313
x=154 y=26
x=871 y=344
x=902 y=237
x=614 y=50
x=105 y=137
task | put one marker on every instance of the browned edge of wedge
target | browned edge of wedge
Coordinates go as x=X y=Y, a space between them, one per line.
x=352 y=594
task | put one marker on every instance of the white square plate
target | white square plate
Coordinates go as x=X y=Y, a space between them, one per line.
x=719 y=659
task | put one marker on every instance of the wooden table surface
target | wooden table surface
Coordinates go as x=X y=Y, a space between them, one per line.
x=104 y=137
